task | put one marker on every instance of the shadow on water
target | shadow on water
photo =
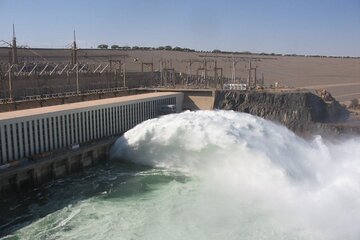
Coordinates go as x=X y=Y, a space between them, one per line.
x=112 y=180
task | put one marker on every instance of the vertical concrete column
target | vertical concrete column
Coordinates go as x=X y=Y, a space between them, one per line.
x=98 y=124
x=82 y=127
x=68 y=140
x=72 y=128
x=127 y=116
x=107 y=122
x=122 y=120
x=41 y=127
x=118 y=126
x=78 y=128
x=136 y=108
x=21 y=136
x=55 y=130
x=45 y=128
x=101 y=125
x=27 y=140
x=112 y=121
x=10 y=140
x=90 y=126
x=85 y=126
x=151 y=109
x=131 y=111
x=138 y=113
x=96 y=120
x=63 y=130
x=115 y=112
x=15 y=145
x=31 y=135
x=3 y=145
x=131 y=115
x=51 y=132
x=75 y=127
x=36 y=136
x=111 y=110
x=142 y=111
x=103 y=122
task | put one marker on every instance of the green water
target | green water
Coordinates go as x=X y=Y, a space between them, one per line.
x=100 y=203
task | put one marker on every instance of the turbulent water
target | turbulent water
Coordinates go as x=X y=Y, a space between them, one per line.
x=203 y=175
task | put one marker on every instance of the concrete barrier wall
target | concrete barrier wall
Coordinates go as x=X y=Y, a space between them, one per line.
x=198 y=100
x=55 y=166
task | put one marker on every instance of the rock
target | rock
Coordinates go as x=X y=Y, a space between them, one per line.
x=325 y=95
x=297 y=110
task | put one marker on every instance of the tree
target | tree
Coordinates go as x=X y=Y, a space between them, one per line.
x=178 y=49
x=168 y=48
x=103 y=46
x=354 y=103
x=115 y=47
x=216 y=51
x=135 y=48
x=161 y=48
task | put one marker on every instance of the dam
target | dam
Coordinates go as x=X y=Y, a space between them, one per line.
x=35 y=134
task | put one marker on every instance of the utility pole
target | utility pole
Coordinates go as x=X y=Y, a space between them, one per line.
x=161 y=72
x=75 y=62
x=77 y=78
x=124 y=74
x=205 y=69
x=13 y=61
x=233 y=75
x=255 y=68
x=14 y=57
x=249 y=76
x=188 y=72
x=10 y=81
x=74 y=59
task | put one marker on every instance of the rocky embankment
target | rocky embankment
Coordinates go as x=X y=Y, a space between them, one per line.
x=300 y=111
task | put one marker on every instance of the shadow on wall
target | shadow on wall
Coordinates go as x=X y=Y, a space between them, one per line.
x=198 y=100
x=189 y=104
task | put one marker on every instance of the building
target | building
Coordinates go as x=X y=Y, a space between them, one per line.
x=235 y=86
x=31 y=132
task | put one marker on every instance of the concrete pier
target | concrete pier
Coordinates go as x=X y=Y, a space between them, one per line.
x=56 y=165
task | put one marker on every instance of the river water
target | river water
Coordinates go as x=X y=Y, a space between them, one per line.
x=201 y=175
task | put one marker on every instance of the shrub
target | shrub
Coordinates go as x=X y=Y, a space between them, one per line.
x=354 y=103
x=103 y=46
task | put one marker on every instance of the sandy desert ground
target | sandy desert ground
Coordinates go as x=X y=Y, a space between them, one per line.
x=340 y=76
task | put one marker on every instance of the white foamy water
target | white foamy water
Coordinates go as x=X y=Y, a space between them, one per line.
x=215 y=175
x=255 y=179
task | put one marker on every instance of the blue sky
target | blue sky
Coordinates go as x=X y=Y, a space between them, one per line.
x=325 y=27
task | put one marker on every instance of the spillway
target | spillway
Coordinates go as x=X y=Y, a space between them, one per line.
x=204 y=175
